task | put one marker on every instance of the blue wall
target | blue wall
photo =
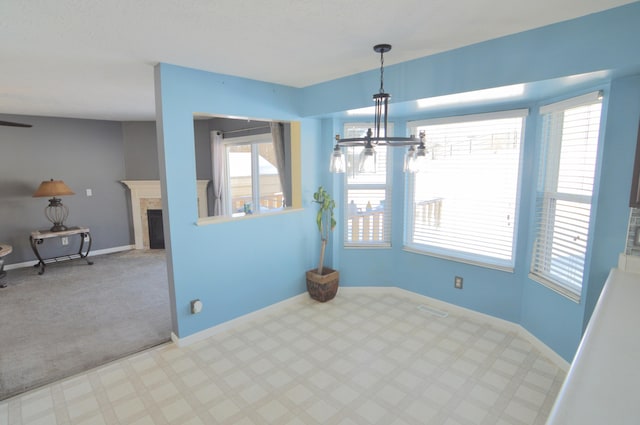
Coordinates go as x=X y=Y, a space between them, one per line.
x=203 y=267
x=239 y=266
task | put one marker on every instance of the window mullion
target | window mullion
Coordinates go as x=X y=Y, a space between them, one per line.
x=255 y=177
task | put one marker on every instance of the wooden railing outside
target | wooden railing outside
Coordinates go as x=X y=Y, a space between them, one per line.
x=429 y=211
x=367 y=226
x=269 y=202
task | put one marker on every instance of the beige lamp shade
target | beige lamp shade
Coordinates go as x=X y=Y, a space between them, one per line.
x=52 y=188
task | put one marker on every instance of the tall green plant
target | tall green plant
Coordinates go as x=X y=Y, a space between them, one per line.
x=324 y=219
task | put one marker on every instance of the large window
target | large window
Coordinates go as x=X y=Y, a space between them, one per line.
x=368 y=195
x=464 y=207
x=253 y=184
x=570 y=132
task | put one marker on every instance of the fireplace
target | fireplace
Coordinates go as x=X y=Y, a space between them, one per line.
x=145 y=195
x=156 y=231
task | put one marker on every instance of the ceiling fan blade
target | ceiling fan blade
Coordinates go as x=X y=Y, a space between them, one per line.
x=15 y=124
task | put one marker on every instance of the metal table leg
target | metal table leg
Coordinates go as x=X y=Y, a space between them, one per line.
x=34 y=247
x=86 y=254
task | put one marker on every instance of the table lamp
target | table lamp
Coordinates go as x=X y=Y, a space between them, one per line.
x=55 y=212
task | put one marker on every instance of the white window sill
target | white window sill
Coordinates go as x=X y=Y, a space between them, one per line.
x=205 y=221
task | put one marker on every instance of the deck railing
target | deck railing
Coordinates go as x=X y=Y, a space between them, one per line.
x=267 y=202
x=367 y=226
x=429 y=211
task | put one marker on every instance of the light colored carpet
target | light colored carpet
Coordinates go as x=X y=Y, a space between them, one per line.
x=75 y=316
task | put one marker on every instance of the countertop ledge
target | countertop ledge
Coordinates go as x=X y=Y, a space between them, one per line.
x=602 y=384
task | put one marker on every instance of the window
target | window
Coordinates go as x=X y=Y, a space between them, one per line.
x=570 y=132
x=237 y=161
x=464 y=206
x=368 y=195
x=253 y=184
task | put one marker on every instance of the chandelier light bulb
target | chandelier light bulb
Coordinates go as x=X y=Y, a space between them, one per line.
x=421 y=160
x=409 y=160
x=367 y=160
x=337 y=164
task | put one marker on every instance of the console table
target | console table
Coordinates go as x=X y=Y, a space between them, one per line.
x=39 y=236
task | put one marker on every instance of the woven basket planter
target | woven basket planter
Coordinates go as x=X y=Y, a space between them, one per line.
x=323 y=287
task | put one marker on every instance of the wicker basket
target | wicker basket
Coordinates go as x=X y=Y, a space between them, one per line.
x=323 y=287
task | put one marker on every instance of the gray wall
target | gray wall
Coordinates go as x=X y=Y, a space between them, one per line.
x=204 y=167
x=140 y=150
x=86 y=154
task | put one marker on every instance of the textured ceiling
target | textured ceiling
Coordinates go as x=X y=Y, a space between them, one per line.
x=94 y=59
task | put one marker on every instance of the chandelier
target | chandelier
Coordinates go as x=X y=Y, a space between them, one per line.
x=415 y=157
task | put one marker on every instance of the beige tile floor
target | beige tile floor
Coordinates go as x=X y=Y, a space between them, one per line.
x=364 y=358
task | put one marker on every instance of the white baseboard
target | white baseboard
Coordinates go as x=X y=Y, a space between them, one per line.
x=30 y=263
x=558 y=360
x=544 y=349
x=432 y=302
x=199 y=336
x=112 y=250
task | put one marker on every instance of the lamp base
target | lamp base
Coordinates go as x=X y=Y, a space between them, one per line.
x=56 y=212
x=58 y=227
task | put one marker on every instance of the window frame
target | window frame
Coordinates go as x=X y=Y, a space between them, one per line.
x=548 y=176
x=253 y=141
x=386 y=187
x=458 y=255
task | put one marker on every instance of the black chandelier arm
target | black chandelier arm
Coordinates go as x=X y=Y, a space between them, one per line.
x=380 y=141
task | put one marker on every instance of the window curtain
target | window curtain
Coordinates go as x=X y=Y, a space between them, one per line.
x=219 y=171
x=277 y=134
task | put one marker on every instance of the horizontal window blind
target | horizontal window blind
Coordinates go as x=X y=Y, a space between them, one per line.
x=570 y=133
x=367 y=195
x=464 y=206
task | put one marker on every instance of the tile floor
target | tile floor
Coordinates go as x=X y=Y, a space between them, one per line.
x=361 y=359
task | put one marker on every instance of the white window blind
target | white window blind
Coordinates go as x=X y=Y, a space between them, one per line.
x=570 y=133
x=368 y=195
x=464 y=206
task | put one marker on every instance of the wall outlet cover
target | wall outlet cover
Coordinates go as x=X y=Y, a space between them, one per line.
x=457 y=282
x=196 y=306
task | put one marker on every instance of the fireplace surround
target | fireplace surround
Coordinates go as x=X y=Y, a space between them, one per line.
x=145 y=195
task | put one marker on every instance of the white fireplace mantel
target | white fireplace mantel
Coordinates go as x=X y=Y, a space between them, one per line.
x=150 y=189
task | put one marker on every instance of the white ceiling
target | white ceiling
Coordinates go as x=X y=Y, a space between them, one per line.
x=94 y=58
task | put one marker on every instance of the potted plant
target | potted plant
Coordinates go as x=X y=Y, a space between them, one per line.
x=322 y=282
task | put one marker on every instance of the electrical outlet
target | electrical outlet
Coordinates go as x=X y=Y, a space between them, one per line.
x=457 y=282
x=65 y=240
x=196 y=306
